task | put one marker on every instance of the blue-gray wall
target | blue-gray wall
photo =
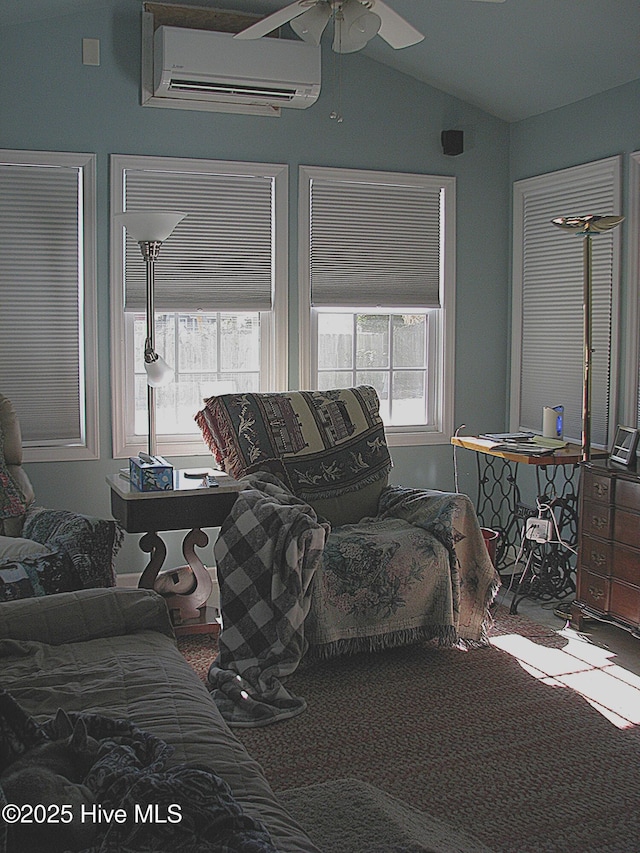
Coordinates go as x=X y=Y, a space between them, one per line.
x=50 y=101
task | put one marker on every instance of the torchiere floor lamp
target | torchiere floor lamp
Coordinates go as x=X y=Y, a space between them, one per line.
x=587 y=226
x=150 y=228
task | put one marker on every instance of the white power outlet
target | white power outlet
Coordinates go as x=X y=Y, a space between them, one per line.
x=538 y=529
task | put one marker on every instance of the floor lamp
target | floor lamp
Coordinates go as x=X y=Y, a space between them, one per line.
x=150 y=228
x=587 y=226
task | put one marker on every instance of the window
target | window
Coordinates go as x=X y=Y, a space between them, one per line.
x=48 y=325
x=211 y=353
x=548 y=276
x=387 y=351
x=377 y=279
x=220 y=292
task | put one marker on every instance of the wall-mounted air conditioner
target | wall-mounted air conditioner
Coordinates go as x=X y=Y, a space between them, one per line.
x=208 y=70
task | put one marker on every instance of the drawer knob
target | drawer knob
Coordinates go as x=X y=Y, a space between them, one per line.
x=596 y=593
x=598 y=522
x=598 y=558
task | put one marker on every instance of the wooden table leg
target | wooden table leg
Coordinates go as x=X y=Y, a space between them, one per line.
x=152 y=544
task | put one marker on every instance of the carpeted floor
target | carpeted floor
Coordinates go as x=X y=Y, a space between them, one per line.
x=473 y=738
x=350 y=816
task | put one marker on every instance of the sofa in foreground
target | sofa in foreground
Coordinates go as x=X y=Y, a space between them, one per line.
x=110 y=653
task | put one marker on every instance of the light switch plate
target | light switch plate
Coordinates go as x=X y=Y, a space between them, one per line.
x=91 y=51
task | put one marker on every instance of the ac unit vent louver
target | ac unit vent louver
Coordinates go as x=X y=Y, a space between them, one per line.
x=233 y=91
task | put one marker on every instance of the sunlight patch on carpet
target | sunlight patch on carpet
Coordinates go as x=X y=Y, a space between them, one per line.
x=584 y=668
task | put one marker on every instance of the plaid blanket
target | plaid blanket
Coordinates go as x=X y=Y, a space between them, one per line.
x=266 y=554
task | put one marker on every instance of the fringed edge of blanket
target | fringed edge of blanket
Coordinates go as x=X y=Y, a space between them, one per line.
x=483 y=641
x=446 y=635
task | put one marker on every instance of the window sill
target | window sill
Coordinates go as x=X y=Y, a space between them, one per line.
x=414 y=438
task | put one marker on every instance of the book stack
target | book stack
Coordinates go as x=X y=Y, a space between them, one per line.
x=523 y=442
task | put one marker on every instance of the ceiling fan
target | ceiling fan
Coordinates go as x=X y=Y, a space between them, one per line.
x=356 y=22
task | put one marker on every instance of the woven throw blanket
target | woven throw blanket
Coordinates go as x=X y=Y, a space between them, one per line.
x=452 y=519
x=89 y=543
x=266 y=554
x=131 y=773
x=320 y=444
x=419 y=570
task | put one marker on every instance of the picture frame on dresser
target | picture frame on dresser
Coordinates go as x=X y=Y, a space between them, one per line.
x=623 y=449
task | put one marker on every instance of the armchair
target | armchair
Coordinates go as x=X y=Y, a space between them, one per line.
x=375 y=565
x=44 y=551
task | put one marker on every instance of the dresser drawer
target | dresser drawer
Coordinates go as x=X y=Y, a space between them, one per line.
x=597 y=487
x=593 y=590
x=596 y=519
x=626 y=528
x=625 y=565
x=596 y=555
x=628 y=494
x=625 y=602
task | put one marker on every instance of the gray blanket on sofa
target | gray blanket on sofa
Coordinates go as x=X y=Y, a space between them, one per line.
x=134 y=802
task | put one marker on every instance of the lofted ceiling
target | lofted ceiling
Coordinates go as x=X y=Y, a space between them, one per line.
x=513 y=59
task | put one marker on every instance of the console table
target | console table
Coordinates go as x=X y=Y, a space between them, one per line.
x=190 y=506
x=499 y=507
x=608 y=571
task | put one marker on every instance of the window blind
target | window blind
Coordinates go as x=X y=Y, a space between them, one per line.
x=41 y=285
x=375 y=244
x=220 y=257
x=552 y=275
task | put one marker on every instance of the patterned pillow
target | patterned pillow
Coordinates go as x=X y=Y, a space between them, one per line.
x=12 y=502
x=45 y=574
x=321 y=444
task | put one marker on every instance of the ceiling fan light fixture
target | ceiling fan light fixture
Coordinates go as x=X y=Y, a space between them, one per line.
x=311 y=24
x=355 y=26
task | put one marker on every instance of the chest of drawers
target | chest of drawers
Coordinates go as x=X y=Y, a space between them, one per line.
x=608 y=567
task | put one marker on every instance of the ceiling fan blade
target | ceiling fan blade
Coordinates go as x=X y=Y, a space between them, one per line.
x=272 y=22
x=395 y=30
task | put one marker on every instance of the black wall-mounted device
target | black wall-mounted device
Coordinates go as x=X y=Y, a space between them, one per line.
x=452 y=142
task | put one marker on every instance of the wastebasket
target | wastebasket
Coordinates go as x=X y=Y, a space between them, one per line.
x=491 y=541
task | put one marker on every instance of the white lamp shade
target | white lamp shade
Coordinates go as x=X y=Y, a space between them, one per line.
x=150 y=226
x=355 y=28
x=587 y=224
x=311 y=24
x=158 y=372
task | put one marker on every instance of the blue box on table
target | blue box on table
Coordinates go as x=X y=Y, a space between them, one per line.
x=156 y=476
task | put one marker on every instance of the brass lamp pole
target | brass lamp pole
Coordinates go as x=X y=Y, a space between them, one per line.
x=587 y=226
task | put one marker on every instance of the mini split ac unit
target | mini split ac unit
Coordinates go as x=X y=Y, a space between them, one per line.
x=204 y=69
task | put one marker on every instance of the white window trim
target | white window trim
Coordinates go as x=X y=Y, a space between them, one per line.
x=274 y=332
x=629 y=404
x=551 y=179
x=444 y=365
x=88 y=393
